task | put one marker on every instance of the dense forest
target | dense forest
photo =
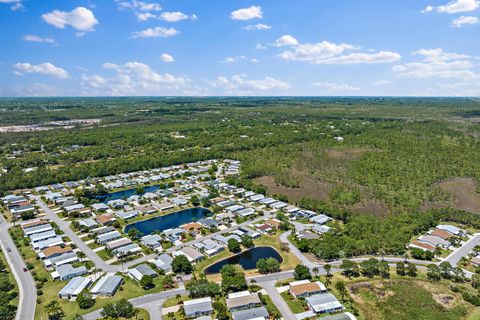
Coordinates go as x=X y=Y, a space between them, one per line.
x=390 y=150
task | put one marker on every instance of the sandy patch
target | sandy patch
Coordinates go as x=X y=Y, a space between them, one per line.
x=463 y=191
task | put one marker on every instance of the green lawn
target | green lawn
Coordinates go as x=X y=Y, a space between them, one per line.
x=294 y=304
x=11 y=277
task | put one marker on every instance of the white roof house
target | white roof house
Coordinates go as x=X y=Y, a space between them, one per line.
x=451 y=229
x=74 y=287
x=107 y=285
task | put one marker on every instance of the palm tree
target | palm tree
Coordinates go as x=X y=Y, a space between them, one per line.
x=328 y=268
x=315 y=271
x=328 y=281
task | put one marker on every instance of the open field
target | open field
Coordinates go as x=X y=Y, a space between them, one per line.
x=407 y=299
x=464 y=193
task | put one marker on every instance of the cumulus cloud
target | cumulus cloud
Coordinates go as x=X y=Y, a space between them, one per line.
x=156 y=33
x=45 y=68
x=337 y=87
x=167 y=58
x=176 y=16
x=436 y=63
x=258 y=26
x=132 y=78
x=80 y=18
x=139 y=5
x=455 y=6
x=463 y=20
x=326 y=52
x=34 y=38
x=240 y=84
x=253 y=12
x=286 y=40
x=144 y=16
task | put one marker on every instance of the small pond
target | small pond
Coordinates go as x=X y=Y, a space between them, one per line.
x=169 y=221
x=247 y=259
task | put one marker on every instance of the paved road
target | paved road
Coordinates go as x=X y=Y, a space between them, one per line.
x=305 y=261
x=26 y=284
x=277 y=300
x=463 y=251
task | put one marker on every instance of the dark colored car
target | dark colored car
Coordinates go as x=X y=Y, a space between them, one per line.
x=25 y=269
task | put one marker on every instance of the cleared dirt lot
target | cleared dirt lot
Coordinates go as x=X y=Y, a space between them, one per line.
x=463 y=191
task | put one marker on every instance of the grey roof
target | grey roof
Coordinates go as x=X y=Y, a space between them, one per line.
x=66 y=270
x=260 y=312
x=75 y=284
x=201 y=305
x=107 y=285
x=339 y=316
x=108 y=236
x=209 y=222
x=145 y=270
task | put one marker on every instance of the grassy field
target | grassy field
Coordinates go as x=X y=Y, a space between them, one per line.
x=407 y=299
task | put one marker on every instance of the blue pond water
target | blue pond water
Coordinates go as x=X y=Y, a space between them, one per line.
x=247 y=259
x=169 y=221
x=125 y=193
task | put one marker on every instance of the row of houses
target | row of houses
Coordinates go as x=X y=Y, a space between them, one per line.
x=19 y=205
x=54 y=253
x=106 y=286
x=440 y=237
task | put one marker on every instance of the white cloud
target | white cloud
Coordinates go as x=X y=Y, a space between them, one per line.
x=382 y=82
x=253 y=12
x=239 y=84
x=9 y=1
x=260 y=46
x=155 y=33
x=436 y=63
x=45 y=68
x=132 y=78
x=79 y=18
x=139 y=5
x=286 y=40
x=144 y=16
x=455 y=6
x=167 y=58
x=463 y=20
x=17 y=6
x=326 y=52
x=176 y=16
x=34 y=38
x=258 y=26
x=237 y=59
x=331 y=86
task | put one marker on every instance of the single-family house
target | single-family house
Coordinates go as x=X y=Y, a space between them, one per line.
x=67 y=271
x=259 y=313
x=107 y=285
x=73 y=288
x=198 y=307
x=142 y=270
x=243 y=300
x=305 y=288
x=324 y=303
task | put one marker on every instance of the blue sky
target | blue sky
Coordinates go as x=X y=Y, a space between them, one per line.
x=237 y=47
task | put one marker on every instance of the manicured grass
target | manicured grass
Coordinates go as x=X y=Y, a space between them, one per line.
x=271 y=307
x=174 y=301
x=290 y=261
x=294 y=304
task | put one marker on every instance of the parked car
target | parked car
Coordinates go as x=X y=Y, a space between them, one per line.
x=9 y=250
